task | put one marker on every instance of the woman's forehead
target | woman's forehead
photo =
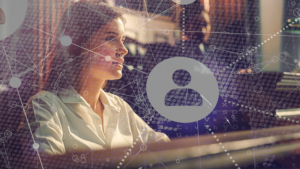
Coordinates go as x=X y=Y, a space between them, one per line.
x=116 y=26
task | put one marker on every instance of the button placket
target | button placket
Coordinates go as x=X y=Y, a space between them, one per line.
x=97 y=122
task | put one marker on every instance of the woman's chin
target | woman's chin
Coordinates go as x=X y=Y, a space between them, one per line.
x=116 y=76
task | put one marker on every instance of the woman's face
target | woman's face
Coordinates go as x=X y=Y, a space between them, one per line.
x=106 y=47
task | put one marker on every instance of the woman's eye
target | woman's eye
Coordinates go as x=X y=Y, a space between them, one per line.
x=110 y=38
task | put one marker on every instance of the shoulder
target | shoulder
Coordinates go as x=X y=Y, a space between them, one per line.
x=43 y=96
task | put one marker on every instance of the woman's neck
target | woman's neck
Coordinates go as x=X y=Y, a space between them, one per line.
x=90 y=91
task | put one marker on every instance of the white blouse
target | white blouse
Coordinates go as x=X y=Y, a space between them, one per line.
x=68 y=123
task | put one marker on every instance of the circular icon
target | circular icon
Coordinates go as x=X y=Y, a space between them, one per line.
x=258 y=88
x=75 y=146
x=296 y=12
x=143 y=147
x=257 y=73
x=12 y=15
x=251 y=50
x=282 y=56
x=275 y=59
x=203 y=83
x=183 y=2
x=212 y=47
x=12 y=104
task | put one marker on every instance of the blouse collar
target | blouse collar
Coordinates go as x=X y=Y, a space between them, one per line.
x=70 y=95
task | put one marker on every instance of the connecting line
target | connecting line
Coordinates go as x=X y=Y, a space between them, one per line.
x=291 y=71
x=273 y=93
x=156 y=8
x=77 y=45
x=6 y=154
x=125 y=86
x=164 y=12
x=229 y=77
x=18 y=62
x=267 y=65
x=187 y=91
x=283 y=98
x=139 y=88
x=133 y=158
x=139 y=70
x=85 y=52
x=135 y=105
x=101 y=56
x=217 y=64
x=146 y=8
x=4 y=159
x=158 y=15
x=156 y=158
x=23 y=107
x=174 y=94
x=206 y=56
x=227 y=51
x=151 y=51
x=124 y=94
x=53 y=56
x=23 y=49
x=98 y=12
x=128 y=9
x=206 y=100
x=49 y=54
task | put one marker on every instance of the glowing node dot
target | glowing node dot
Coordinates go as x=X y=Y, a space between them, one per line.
x=15 y=82
x=35 y=146
x=66 y=40
x=185 y=2
x=107 y=58
x=130 y=67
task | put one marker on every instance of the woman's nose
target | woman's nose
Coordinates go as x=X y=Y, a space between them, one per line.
x=121 y=51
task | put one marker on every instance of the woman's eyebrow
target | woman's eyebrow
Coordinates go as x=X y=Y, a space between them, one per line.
x=111 y=33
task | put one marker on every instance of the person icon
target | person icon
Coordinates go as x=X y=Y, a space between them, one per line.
x=183 y=96
x=182 y=89
x=2 y=17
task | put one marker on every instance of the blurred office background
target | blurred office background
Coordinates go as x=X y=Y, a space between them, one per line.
x=266 y=32
x=153 y=26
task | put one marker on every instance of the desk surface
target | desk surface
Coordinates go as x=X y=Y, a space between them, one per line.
x=191 y=152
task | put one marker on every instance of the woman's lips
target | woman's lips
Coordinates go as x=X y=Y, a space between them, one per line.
x=119 y=65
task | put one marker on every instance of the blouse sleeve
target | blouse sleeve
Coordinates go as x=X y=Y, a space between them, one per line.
x=43 y=126
x=142 y=130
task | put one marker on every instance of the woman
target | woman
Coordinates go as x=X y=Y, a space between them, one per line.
x=73 y=112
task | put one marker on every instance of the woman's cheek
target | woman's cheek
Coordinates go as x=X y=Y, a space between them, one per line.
x=101 y=61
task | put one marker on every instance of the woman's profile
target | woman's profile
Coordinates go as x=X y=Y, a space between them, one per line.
x=72 y=112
